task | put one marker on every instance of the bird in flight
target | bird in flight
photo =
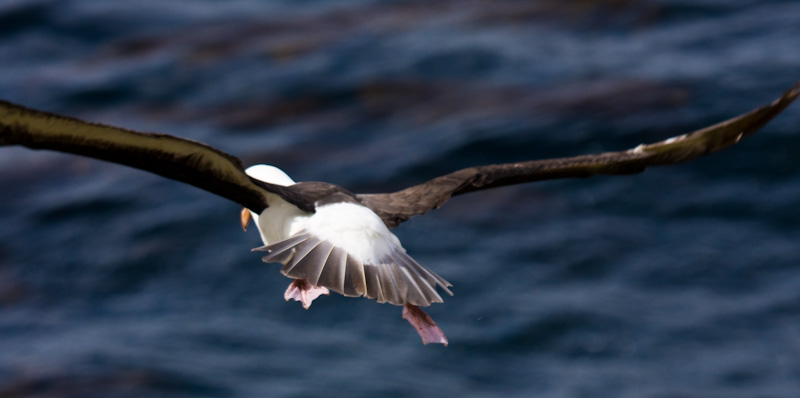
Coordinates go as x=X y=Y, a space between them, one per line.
x=328 y=238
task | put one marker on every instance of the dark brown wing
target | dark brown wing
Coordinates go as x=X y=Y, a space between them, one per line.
x=395 y=208
x=168 y=156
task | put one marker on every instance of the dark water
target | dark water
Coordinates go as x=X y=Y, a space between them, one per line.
x=681 y=282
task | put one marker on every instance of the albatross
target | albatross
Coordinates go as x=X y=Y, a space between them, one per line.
x=328 y=238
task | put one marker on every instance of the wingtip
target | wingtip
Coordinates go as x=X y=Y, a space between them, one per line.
x=793 y=92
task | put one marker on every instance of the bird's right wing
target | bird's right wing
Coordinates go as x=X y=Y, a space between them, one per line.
x=395 y=208
x=169 y=156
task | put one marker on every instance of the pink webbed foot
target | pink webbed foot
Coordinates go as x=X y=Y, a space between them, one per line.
x=424 y=324
x=304 y=292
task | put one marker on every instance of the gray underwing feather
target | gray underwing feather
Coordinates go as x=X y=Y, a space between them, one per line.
x=313 y=264
x=373 y=281
x=333 y=271
x=425 y=283
x=283 y=251
x=355 y=282
x=301 y=250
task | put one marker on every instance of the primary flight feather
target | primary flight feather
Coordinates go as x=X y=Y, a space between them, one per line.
x=327 y=237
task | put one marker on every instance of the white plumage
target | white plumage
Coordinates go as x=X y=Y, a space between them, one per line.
x=281 y=219
x=343 y=246
x=354 y=228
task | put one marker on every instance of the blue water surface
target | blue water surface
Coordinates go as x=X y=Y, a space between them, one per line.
x=683 y=281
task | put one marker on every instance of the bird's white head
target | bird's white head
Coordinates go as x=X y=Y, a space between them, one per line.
x=269 y=174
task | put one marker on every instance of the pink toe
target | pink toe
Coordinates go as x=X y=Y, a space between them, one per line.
x=312 y=292
x=304 y=292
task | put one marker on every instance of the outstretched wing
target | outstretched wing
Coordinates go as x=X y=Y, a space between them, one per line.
x=395 y=208
x=168 y=156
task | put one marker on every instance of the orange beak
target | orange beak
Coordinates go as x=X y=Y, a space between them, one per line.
x=245 y=218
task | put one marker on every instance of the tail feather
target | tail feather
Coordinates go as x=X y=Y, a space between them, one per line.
x=396 y=278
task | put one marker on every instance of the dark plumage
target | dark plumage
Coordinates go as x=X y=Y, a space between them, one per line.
x=327 y=237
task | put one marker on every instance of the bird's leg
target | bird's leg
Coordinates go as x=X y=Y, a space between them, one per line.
x=299 y=290
x=424 y=324
x=304 y=292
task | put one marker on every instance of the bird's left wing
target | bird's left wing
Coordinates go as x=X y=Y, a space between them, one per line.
x=395 y=208
x=168 y=156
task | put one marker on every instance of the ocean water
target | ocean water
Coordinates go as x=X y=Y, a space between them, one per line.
x=682 y=282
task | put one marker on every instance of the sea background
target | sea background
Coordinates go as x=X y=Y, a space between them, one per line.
x=680 y=282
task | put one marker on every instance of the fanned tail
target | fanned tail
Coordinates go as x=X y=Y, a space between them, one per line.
x=395 y=279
